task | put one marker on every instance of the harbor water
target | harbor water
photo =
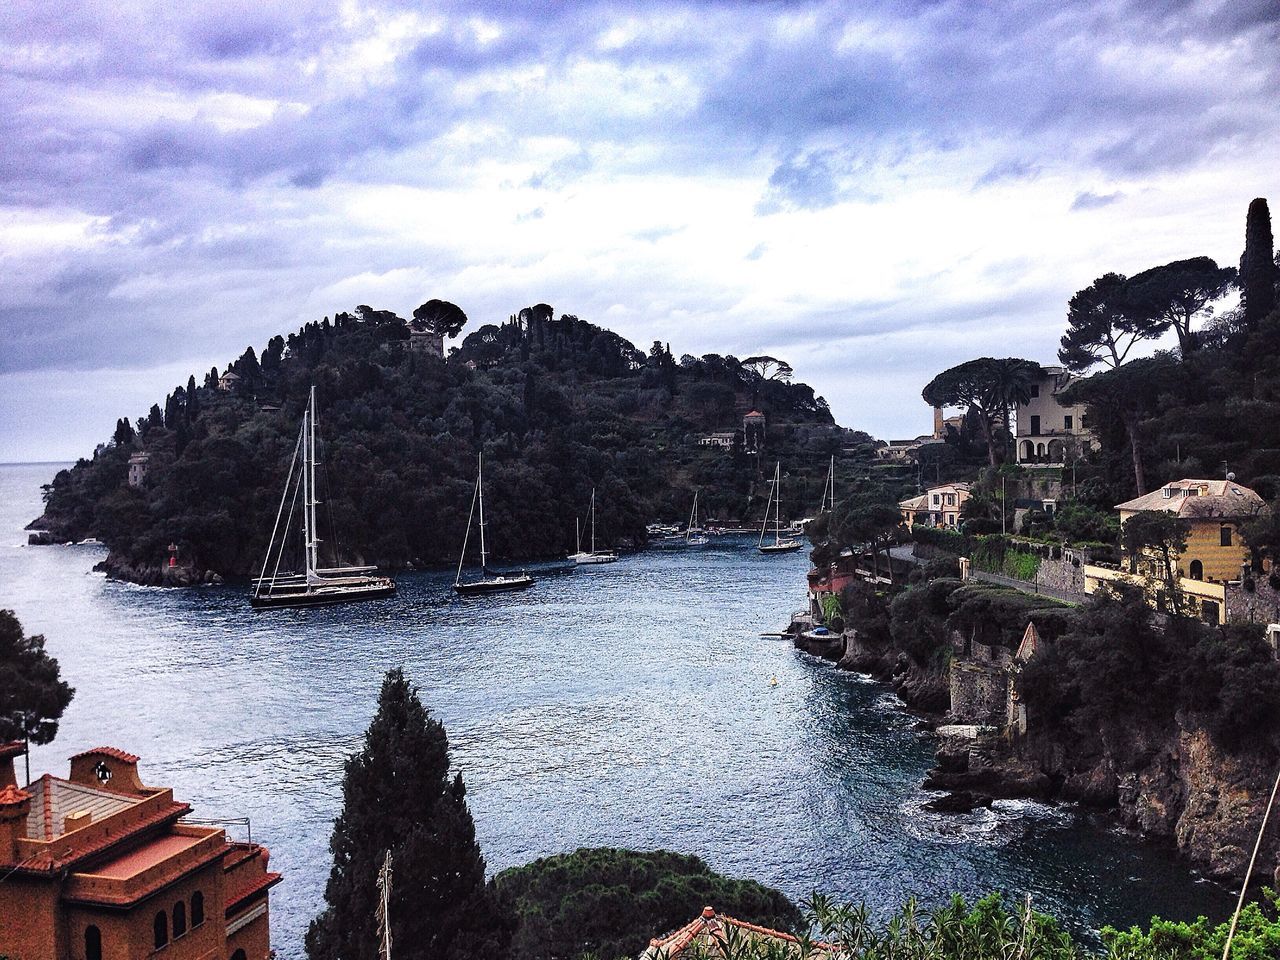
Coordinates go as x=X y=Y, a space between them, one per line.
x=633 y=704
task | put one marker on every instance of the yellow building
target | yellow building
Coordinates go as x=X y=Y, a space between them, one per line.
x=936 y=507
x=1214 y=511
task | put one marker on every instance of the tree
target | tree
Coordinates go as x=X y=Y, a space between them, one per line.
x=1101 y=325
x=769 y=368
x=1174 y=295
x=33 y=694
x=990 y=386
x=273 y=355
x=1131 y=392
x=123 y=435
x=398 y=796
x=1258 y=272
x=1161 y=537
x=440 y=317
x=870 y=516
x=612 y=902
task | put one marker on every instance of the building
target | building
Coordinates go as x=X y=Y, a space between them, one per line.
x=715 y=935
x=424 y=341
x=1047 y=431
x=936 y=507
x=229 y=381
x=138 y=469
x=99 y=867
x=1209 y=572
x=753 y=431
x=723 y=440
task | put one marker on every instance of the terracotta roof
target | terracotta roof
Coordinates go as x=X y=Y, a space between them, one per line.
x=57 y=858
x=1210 y=498
x=753 y=413
x=915 y=503
x=115 y=752
x=713 y=932
x=14 y=748
x=11 y=796
x=1030 y=643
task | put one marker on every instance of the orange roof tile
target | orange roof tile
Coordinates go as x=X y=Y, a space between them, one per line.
x=115 y=752
x=14 y=748
x=712 y=929
x=11 y=796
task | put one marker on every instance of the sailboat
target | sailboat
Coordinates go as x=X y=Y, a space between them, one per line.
x=693 y=535
x=780 y=543
x=593 y=555
x=488 y=582
x=314 y=585
x=826 y=504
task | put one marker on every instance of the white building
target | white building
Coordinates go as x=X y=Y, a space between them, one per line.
x=1048 y=431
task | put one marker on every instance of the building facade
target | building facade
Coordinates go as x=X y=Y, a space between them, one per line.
x=138 y=466
x=936 y=507
x=98 y=866
x=1046 y=430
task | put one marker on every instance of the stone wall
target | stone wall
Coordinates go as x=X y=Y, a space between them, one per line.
x=979 y=693
x=1259 y=605
x=1065 y=574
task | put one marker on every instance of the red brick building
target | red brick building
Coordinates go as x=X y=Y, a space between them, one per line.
x=100 y=867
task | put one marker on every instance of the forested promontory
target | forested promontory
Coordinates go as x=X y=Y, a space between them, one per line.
x=557 y=405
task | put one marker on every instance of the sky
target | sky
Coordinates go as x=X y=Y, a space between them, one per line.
x=872 y=191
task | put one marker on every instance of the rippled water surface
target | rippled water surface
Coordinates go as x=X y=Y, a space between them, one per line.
x=626 y=705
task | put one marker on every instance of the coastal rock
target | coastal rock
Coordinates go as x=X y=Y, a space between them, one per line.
x=958 y=801
x=156 y=575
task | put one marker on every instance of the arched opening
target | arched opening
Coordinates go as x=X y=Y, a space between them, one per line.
x=1040 y=450
x=92 y=943
x=239 y=955
x=197 y=909
x=1055 y=451
x=161 y=928
x=1196 y=570
x=179 y=919
x=1028 y=450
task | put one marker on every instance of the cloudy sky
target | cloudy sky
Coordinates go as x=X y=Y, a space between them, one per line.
x=873 y=191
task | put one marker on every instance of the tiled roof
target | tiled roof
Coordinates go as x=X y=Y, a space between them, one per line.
x=115 y=752
x=14 y=748
x=915 y=503
x=713 y=932
x=1213 y=498
x=11 y=796
x=54 y=799
x=1030 y=643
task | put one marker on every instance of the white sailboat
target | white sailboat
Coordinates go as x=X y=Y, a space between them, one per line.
x=489 y=582
x=826 y=504
x=593 y=555
x=693 y=535
x=780 y=543
x=313 y=585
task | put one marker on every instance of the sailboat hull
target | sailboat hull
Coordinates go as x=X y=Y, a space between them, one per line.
x=323 y=595
x=785 y=546
x=600 y=557
x=495 y=585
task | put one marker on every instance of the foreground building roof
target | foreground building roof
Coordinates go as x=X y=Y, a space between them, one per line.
x=1191 y=499
x=715 y=935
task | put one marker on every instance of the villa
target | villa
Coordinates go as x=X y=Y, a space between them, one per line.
x=1048 y=431
x=936 y=507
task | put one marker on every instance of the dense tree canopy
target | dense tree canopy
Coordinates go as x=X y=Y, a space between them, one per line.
x=612 y=902
x=1176 y=294
x=991 y=387
x=1102 y=325
x=1258 y=272
x=33 y=694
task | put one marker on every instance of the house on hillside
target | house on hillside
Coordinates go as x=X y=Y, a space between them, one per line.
x=937 y=507
x=138 y=466
x=229 y=381
x=1216 y=559
x=753 y=431
x=724 y=440
x=426 y=342
x=1047 y=431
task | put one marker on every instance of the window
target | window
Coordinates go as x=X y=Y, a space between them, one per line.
x=197 y=909
x=161 y=928
x=1066 y=422
x=1209 y=611
x=1035 y=390
x=92 y=943
x=179 y=919
x=1224 y=536
x=1197 y=570
x=1035 y=426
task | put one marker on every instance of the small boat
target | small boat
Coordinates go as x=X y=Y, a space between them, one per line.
x=780 y=543
x=593 y=555
x=489 y=581
x=314 y=585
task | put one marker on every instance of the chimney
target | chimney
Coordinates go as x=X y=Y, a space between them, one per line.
x=75 y=820
x=8 y=752
x=15 y=804
x=939 y=431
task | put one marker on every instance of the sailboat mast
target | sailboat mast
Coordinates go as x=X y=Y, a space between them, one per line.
x=577 y=535
x=593 y=519
x=480 y=493
x=777 y=496
x=309 y=494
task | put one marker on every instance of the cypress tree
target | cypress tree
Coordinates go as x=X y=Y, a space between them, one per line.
x=398 y=796
x=1257 y=267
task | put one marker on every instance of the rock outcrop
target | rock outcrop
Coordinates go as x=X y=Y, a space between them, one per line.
x=155 y=574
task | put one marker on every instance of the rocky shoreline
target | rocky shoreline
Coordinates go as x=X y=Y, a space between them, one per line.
x=1172 y=784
